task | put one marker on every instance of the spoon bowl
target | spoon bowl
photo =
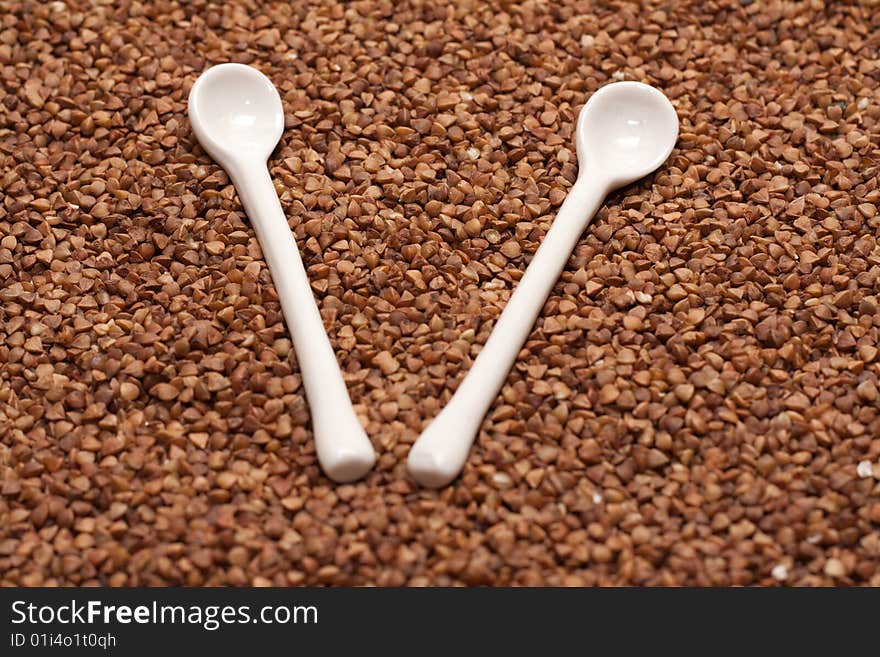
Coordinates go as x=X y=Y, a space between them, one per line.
x=624 y=132
x=236 y=112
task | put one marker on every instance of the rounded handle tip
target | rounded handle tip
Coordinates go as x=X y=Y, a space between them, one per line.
x=432 y=468
x=348 y=464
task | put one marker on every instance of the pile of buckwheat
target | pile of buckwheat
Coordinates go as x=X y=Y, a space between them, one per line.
x=697 y=404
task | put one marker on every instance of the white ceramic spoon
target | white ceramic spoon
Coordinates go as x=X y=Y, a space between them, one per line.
x=624 y=132
x=237 y=116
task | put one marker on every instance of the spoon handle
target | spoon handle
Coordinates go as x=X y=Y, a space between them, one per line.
x=440 y=452
x=344 y=451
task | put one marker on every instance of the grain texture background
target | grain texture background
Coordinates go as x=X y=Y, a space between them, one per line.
x=698 y=403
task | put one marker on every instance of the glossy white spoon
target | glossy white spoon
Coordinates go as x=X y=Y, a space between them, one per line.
x=237 y=116
x=624 y=132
